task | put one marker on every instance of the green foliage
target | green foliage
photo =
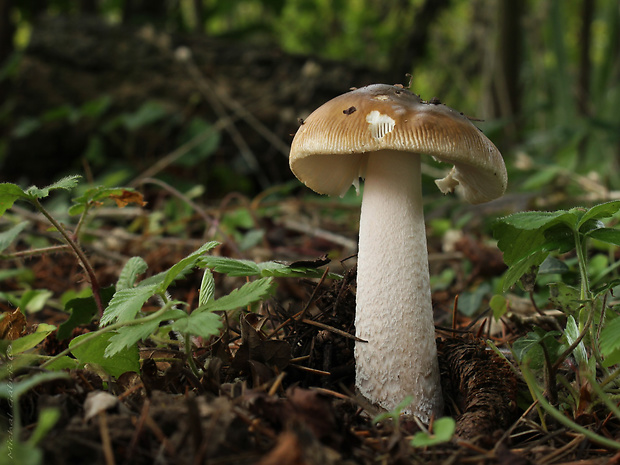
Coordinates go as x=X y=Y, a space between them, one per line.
x=8 y=236
x=590 y=332
x=82 y=311
x=123 y=323
x=93 y=352
x=242 y=268
x=9 y=193
x=443 y=430
x=527 y=238
x=12 y=449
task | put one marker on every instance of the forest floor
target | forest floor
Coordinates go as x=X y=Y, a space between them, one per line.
x=278 y=386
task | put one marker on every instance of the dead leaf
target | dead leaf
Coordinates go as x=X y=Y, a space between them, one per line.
x=97 y=402
x=128 y=197
x=12 y=325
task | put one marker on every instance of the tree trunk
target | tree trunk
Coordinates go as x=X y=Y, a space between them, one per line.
x=506 y=85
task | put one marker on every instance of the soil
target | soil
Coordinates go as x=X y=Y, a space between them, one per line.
x=282 y=396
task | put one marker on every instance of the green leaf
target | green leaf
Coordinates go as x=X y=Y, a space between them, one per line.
x=207 y=288
x=82 y=310
x=31 y=340
x=470 y=301
x=96 y=107
x=203 y=324
x=14 y=452
x=395 y=413
x=8 y=236
x=93 y=352
x=128 y=336
x=529 y=347
x=187 y=263
x=244 y=268
x=13 y=390
x=280 y=270
x=564 y=297
x=195 y=128
x=46 y=421
x=9 y=193
x=134 y=267
x=608 y=235
x=523 y=234
x=231 y=266
x=552 y=265
x=33 y=300
x=245 y=295
x=499 y=305
x=572 y=333
x=604 y=210
x=62 y=363
x=610 y=343
x=95 y=194
x=443 y=430
x=126 y=303
x=150 y=112
x=66 y=183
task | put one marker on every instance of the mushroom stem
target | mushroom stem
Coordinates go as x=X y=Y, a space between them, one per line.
x=394 y=312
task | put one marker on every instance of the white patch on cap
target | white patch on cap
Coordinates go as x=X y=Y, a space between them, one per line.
x=381 y=97
x=379 y=124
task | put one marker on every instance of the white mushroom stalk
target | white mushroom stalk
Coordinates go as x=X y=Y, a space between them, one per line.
x=379 y=133
x=394 y=312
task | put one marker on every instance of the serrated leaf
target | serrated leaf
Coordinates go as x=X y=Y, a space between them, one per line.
x=128 y=336
x=93 y=352
x=280 y=270
x=82 y=310
x=203 y=324
x=187 y=263
x=126 y=303
x=9 y=193
x=604 y=210
x=66 y=183
x=231 y=266
x=94 y=194
x=134 y=267
x=8 y=236
x=245 y=295
x=207 y=288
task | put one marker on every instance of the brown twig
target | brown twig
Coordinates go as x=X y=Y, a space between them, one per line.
x=94 y=283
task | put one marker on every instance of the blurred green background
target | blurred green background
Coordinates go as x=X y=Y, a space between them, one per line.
x=108 y=88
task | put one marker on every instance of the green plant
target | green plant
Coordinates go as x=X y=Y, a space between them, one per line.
x=589 y=334
x=123 y=323
x=12 y=449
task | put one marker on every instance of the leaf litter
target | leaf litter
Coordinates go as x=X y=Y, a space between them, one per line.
x=277 y=389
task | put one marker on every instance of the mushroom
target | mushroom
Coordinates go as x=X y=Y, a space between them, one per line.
x=378 y=133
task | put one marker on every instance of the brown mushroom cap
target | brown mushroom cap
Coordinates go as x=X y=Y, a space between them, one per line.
x=330 y=150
